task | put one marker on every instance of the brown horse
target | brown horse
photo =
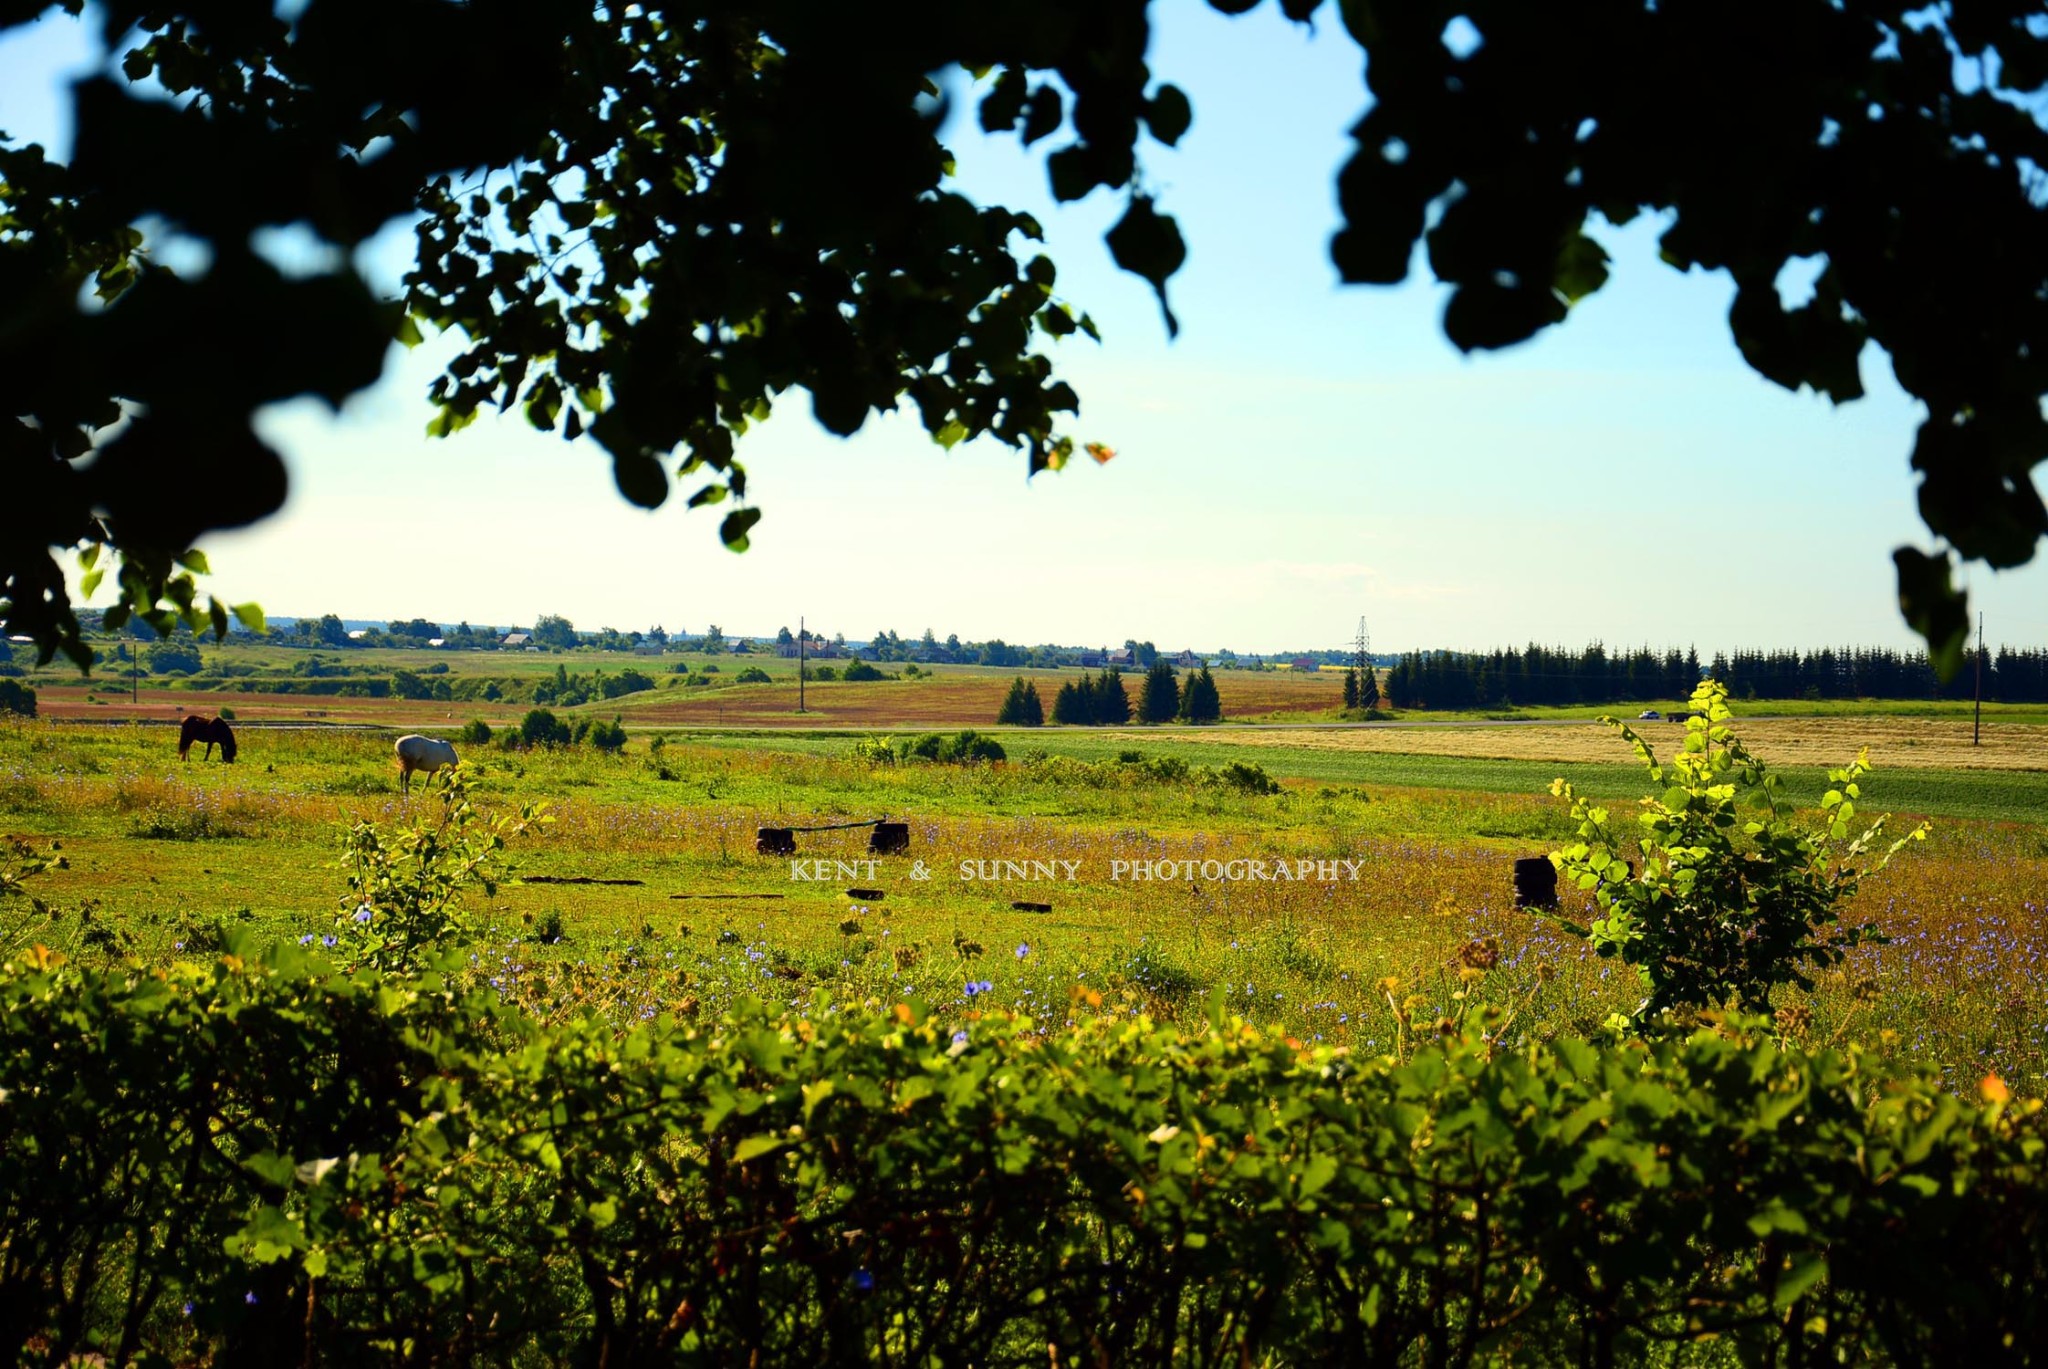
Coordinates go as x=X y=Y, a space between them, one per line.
x=211 y=732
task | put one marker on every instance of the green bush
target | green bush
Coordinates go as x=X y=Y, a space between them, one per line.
x=607 y=737
x=475 y=732
x=873 y=751
x=753 y=674
x=857 y=671
x=1243 y=776
x=965 y=748
x=173 y=658
x=628 y=681
x=540 y=727
x=17 y=698
x=1726 y=909
x=264 y=1160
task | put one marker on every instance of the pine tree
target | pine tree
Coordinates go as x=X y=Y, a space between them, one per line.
x=1012 y=711
x=1159 y=699
x=1200 y=702
x=1070 y=707
x=1112 y=701
x=1369 y=688
x=1034 y=711
x=1350 y=689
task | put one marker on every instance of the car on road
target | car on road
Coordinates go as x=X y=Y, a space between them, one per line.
x=1649 y=715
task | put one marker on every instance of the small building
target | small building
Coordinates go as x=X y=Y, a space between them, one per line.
x=437 y=641
x=1304 y=663
x=1091 y=659
x=358 y=633
x=516 y=640
x=1187 y=660
x=1124 y=658
x=648 y=648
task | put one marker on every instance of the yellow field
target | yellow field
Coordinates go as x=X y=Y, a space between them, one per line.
x=1897 y=743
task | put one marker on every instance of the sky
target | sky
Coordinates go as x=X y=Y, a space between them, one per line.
x=1303 y=455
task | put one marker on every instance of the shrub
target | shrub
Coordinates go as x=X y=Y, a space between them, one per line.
x=406 y=887
x=822 y=672
x=408 y=685
x=540 y=727
x=971 y=748
x=857 y=671
x=753 y=674
x=173 y=658
x=227 y=714
x=475 y=732
x=873 y=751
x=965 y=748
x=1244 y=777
x=393 y=1165
x=18 y=698
x=1716 y=917
x=627 y=681
x=609 y=738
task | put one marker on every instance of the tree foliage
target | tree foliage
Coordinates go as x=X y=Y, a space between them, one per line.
x=1159 y=696
x=649 y=224
x=1199 y=700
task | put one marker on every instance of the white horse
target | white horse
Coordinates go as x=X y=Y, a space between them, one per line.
x=421 y=753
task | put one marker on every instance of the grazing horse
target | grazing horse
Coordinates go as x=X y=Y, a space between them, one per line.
x=210 y=731
x=420 y=753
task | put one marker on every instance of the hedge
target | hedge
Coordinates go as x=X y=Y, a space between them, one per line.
x=269 y=1160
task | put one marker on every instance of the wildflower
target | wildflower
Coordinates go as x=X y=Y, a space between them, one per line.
x=960 y=1038
x=862 y=1280
x=327 y=940
x=188 y=1309
x=249 y=1298
x=363 y=913
x=306 y=940
x=1023 y=949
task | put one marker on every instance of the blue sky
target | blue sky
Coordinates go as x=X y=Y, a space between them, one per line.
x=1302 y=455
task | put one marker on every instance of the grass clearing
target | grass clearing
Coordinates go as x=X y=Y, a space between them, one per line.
x=161 y=853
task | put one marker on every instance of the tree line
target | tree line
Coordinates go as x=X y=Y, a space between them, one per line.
x=1550 y=675
x=1105 y=701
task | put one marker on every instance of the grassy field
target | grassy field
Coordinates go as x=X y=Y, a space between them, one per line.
x=160 y=853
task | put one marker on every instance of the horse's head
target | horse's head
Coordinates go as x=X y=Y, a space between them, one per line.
x=227 y=743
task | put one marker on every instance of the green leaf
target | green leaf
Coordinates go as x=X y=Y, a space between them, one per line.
x=1168 y=114
x=1808 y=1269
x=1581 y=268
x=251 y=616
x=1147 y=243
x=1933 y=607
x=90 y=582
x=409 y=331
x=195 y=561
x=736 y=527
x=757 y=1145
x=641 y=479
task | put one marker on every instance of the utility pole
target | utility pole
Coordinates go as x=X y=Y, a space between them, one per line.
x=1361 y=661
x=1977 y=722
x=800 y=636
